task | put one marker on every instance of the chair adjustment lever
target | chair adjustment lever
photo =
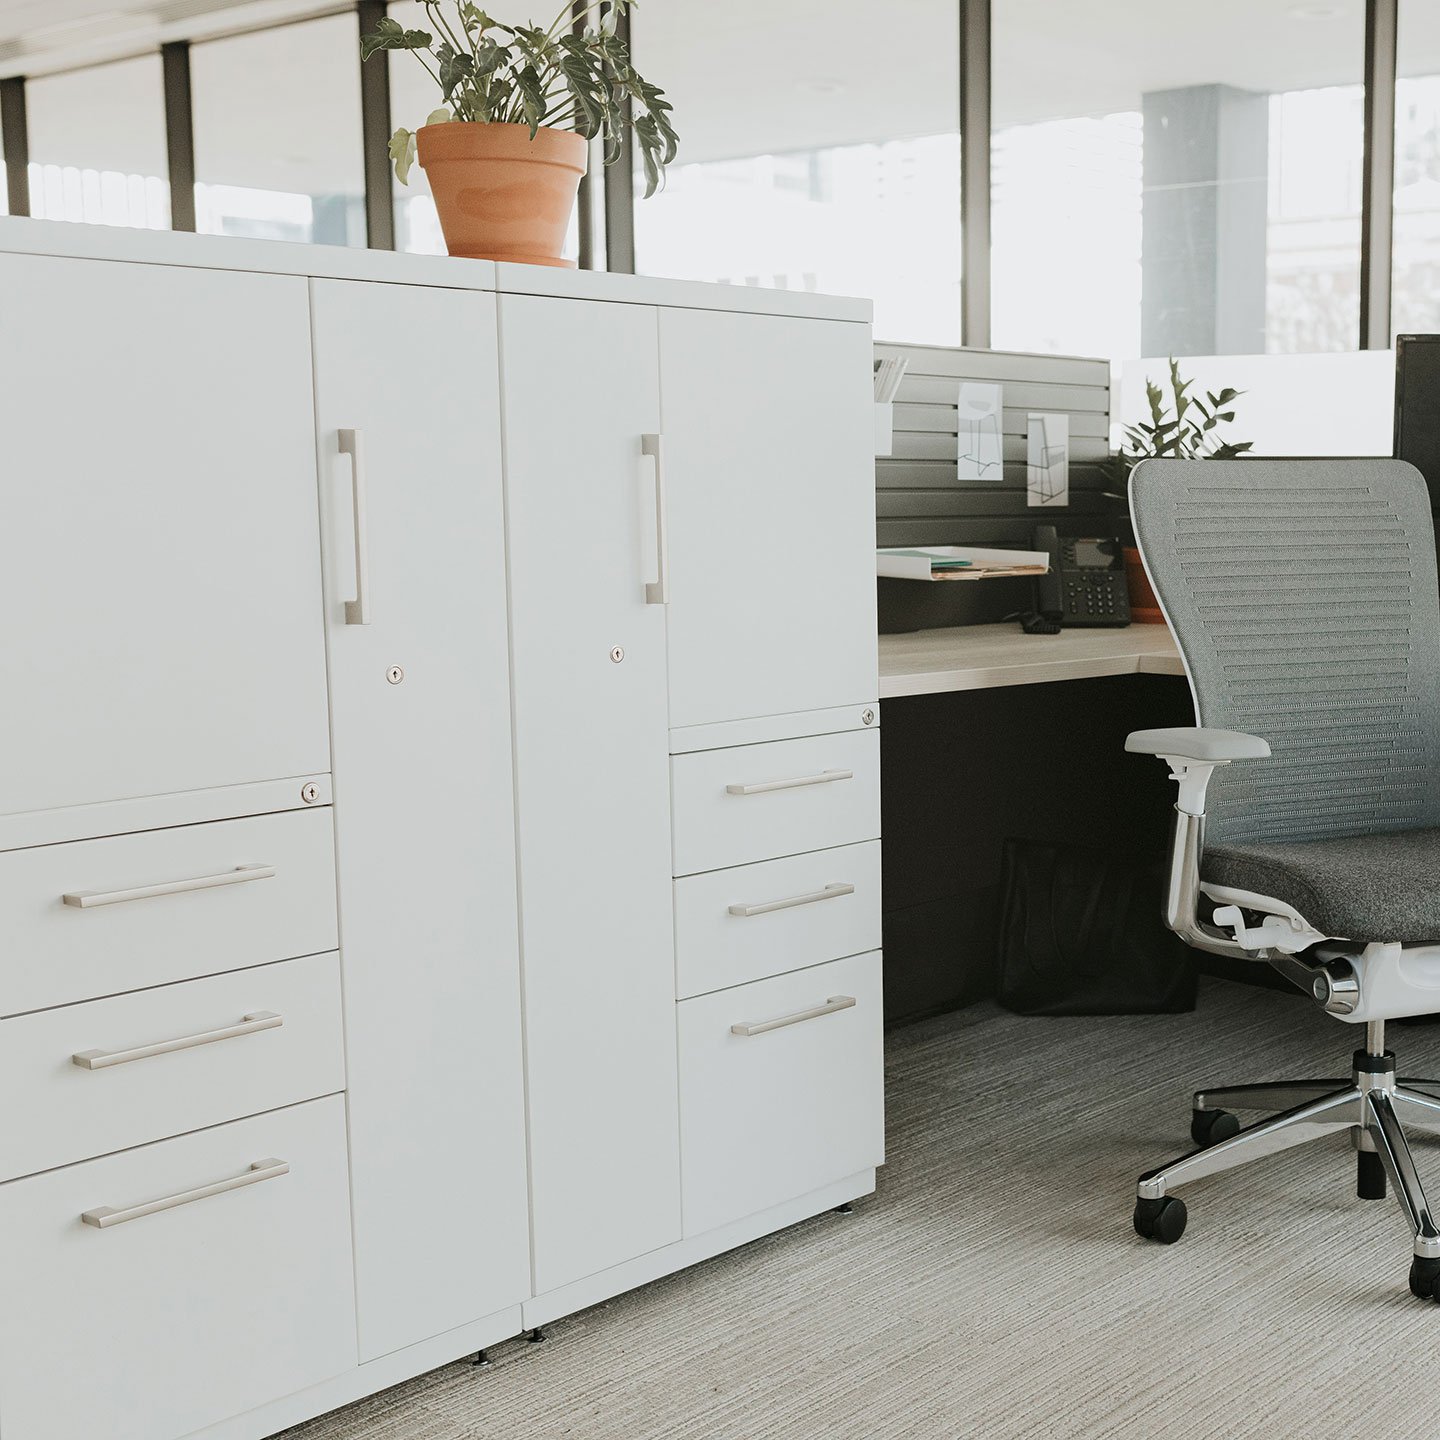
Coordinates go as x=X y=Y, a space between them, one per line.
x=1332 y=984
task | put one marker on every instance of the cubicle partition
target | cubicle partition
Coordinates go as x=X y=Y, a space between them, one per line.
x=963 y=773
x=919 y=498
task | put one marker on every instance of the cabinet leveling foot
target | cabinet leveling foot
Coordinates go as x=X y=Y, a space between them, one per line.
x=846 y=1209
x=481 y=1360
x=536 y=1336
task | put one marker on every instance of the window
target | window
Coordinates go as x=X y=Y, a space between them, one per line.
x=1159 y=188
x=844 y=178
x=277 y=133
x=1416 y=287
x=97 y=145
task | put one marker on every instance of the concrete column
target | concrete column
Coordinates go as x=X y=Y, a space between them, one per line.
x=1206 y=180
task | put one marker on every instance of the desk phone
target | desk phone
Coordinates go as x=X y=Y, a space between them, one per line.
x=1086 y=583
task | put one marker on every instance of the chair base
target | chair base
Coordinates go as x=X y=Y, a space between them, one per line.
x=1369 y=1104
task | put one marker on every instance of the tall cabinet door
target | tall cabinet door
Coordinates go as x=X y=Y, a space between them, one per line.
x=157 y=532
x=769 y=449
x=590 y=749
x=424 y=808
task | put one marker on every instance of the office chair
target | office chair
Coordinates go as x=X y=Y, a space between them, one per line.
x=1303 y=597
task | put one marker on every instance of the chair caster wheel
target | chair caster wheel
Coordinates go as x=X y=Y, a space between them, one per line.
x=1161 y=1220
x=1210 y=1127
x=1424 y=1275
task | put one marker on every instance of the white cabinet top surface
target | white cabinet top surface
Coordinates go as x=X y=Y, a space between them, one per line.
x=218 y=252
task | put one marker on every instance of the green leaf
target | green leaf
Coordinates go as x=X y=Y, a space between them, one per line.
x=402 y=153
x=391 y=35
x=532 y=98
x=442 y=116
x=455 y=68
x=588 y=92
x=489 y=57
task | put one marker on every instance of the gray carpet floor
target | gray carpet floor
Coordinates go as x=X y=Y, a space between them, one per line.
x=993 y=1286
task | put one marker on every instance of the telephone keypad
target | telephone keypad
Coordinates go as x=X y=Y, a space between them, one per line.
x=1096 y=597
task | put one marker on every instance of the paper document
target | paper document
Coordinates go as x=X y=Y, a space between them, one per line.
x=958 y=562
x=1047 y=459
x=978 y=419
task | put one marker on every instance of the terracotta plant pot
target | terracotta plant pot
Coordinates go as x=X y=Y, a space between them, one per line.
x=1144 y=607
x=500 y=194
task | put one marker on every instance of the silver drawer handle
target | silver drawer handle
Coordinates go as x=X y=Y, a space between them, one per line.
x=834 y=1003
x=108 y=1215
x=104 y=1059
x=88 y=899
x=825 y=777
x=830 y=892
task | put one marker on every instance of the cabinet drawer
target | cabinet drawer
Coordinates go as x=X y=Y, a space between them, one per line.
x=742 y=924
x=227 y=1046
x=235 y=1288
x=773 y=1114
x=755 y=802
x=98 y=917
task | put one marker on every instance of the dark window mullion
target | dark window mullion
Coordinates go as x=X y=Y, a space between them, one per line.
x=375 y=132
x=589 y=182
x=179 y=133
x=16 y=134
x=620 y=189
x=975 y=172
x=1377 y=206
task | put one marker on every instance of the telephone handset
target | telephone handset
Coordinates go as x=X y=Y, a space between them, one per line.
x=1085 y=584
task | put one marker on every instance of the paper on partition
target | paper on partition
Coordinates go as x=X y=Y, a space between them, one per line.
x=1047 y=457
x=979 y=412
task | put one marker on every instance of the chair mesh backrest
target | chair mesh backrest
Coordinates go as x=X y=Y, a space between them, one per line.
x=1303 y=596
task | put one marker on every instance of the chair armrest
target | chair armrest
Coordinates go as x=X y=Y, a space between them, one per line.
x=1197 y=742
x=1192 y=753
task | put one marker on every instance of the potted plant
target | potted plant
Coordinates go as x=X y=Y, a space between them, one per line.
x=505 y=150
x=1189 y=434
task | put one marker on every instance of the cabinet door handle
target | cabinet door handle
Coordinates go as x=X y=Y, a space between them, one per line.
x=830 y=892
x=251 y=1024
x=240 y=875
x=830 y=1007
x=657 y=591
x=357 y=611
x=825 y=777
x=105 y=1216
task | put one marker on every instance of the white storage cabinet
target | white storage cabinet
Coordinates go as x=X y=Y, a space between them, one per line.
x=439 y=867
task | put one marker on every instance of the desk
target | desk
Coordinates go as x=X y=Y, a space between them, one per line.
x=981 y=657
x=983 y=752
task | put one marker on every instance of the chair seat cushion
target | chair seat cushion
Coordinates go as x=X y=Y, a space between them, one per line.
x=1359 y=887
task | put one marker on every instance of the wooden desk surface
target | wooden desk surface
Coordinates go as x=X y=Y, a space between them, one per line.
x=980 y=657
